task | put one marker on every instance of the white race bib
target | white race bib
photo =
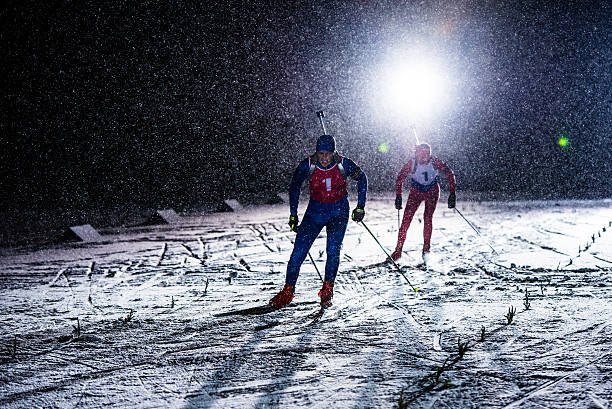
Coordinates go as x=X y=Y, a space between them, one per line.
x=425 y=174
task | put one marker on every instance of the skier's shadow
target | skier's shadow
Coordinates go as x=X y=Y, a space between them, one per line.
x=369 y=392
x=226 y=372
x=286 y=368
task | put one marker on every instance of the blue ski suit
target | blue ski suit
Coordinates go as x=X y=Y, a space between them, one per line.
x=332 y=211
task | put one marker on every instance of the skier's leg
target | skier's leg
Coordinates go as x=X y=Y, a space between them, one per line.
x=336 y=228
x=307 y=233
x=412 y=204
x=430 y=206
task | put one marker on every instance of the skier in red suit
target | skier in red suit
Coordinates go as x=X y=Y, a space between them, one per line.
x=424 y=187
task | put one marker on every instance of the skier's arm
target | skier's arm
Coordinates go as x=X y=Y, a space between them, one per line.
x=357 y=174
x=401 y=177
x=450 y=175
x=299 y=176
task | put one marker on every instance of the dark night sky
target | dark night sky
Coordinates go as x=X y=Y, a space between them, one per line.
x=158 y=104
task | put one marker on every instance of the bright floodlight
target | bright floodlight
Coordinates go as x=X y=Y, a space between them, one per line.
x=413 y=88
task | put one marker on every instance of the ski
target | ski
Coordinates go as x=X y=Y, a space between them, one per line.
x=259 y=310
x=310 y=319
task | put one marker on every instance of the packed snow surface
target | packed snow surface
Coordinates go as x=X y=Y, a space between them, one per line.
x=167 y=315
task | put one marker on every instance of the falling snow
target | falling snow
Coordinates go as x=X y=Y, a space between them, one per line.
x=165 y=105
x=114 y=110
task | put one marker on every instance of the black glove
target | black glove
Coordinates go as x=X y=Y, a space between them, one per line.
x=293 y=222
x=358 y=214
x=398 y=202
x=451 y=200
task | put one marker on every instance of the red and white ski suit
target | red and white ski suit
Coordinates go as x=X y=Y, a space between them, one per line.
x=424 y=187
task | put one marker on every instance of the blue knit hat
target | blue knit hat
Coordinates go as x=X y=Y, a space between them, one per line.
x=326 y=143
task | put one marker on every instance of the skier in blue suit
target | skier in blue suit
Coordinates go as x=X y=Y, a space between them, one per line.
x=328 y=207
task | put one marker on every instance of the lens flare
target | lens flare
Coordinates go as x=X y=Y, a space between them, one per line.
x=383 y=147
x=563 y=142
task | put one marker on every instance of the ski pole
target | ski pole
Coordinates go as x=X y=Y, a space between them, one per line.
x=311 y=259
x=476 y=230
x=388 y=256
x=321 y=115
x=398 y=219
x=315 y=266
x=416 y=137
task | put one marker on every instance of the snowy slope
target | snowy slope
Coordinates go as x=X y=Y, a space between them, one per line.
x=142 y=330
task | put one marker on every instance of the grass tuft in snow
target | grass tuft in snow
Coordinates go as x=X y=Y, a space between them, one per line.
x=90 y=271
x=462 y=347
x=76 y=329
x=162 y=254
x=189 y=251
x=203 y=255
x=244 y=264
x=401 y=403
x=61 y=273
x=526 y=301
x=128 y=317
x=510 y=314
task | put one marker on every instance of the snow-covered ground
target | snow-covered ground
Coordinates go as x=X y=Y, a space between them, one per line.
x=140 y=330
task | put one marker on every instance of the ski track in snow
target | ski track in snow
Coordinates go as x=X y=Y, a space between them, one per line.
x=149 y=331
